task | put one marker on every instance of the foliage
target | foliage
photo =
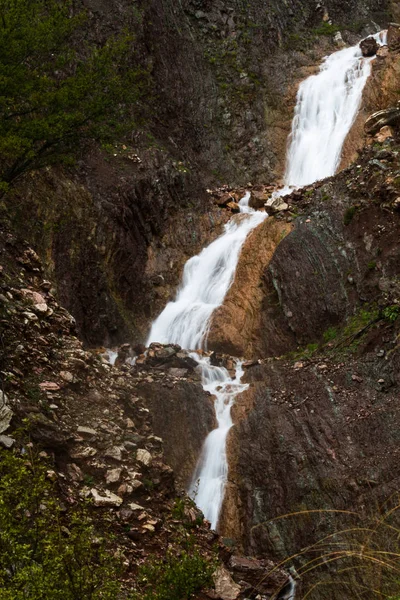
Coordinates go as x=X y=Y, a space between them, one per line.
x=330 y=334
x=349 y=214
x=46 y=554
x=53 y=96
x=175 y=577
x=391 y=313
x=361 y=558
x=326 y=29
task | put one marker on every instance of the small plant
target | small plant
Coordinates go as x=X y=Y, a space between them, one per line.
x=175 y=577
x=330 y=334
x=349 y=214
x=372 y=265
x=391 y=313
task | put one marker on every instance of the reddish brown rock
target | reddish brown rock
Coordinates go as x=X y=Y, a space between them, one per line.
x=235 y=324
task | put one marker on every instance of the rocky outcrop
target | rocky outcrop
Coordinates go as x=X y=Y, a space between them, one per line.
x=182 y=412
x=235 y=326
x=369 y=46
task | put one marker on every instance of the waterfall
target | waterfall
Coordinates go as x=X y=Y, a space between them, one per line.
x=185 y=321
x=327 y=104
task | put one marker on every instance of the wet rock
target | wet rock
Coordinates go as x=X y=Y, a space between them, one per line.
x=234 y=206
x=276 y=205
x=225 y=587
x=369 y=46
x=258 y=198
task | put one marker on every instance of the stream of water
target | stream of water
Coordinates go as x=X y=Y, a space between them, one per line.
x=327 y=104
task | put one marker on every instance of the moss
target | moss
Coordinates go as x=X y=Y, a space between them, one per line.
x=349 y=214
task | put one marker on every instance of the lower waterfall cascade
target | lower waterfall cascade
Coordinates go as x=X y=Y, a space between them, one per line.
x=327 y=105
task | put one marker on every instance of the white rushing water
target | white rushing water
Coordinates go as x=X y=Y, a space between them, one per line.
x=206 y=279
x=327 y=105
x=185 y=321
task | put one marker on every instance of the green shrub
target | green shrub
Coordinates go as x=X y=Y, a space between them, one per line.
x=176 y=577
x=349 y=214
x=391 y=313
x=52 y=96
x=46 y=553
x=330 y=334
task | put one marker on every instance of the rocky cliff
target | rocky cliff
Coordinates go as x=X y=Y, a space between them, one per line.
x=222 y=83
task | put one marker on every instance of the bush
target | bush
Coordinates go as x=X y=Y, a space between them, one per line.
x=46 y=554
x=52 y=96
x=349 y=214
x=176 y=577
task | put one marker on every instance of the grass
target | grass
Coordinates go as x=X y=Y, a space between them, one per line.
x=362 y=559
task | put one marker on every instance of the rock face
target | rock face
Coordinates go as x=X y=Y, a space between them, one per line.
x=116 y=229
x=318 y=432
x=325 y=268
x=235 y=325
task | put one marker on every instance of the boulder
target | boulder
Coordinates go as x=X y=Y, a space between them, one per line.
x=383 y=134
x=369 y=46
x=276 y=205
x=225 y=587
x=234 y=206
x=393 y=37
x=382 y=118
x=257 y=199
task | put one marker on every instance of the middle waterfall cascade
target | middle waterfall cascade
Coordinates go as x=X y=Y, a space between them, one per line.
x=327 y=105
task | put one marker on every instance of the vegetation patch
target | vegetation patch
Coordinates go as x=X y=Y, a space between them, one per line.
x=48 y=553
x=175 y=577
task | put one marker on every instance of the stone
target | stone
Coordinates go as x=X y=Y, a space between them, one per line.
x=49 y=386
x=6 y=414
x=86 y=431
x=275 y=205
x=115 y=452
x=174 y=372
x=381 y=118
x=384 y=133
x=393 y=37
x=369 y=46
x=67 y=376
x=41 y=308
x=109 y=499
x=134 y=507
x=144 y=457
x=234 y=206
x=113 y=475
x=225 y=587
x=6 y=441
x=257 y=199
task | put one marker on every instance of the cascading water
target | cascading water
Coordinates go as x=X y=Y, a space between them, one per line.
x=327 y=104
x=185 y=321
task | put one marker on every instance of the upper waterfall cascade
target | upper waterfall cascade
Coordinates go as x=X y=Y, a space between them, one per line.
x=327 y=104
